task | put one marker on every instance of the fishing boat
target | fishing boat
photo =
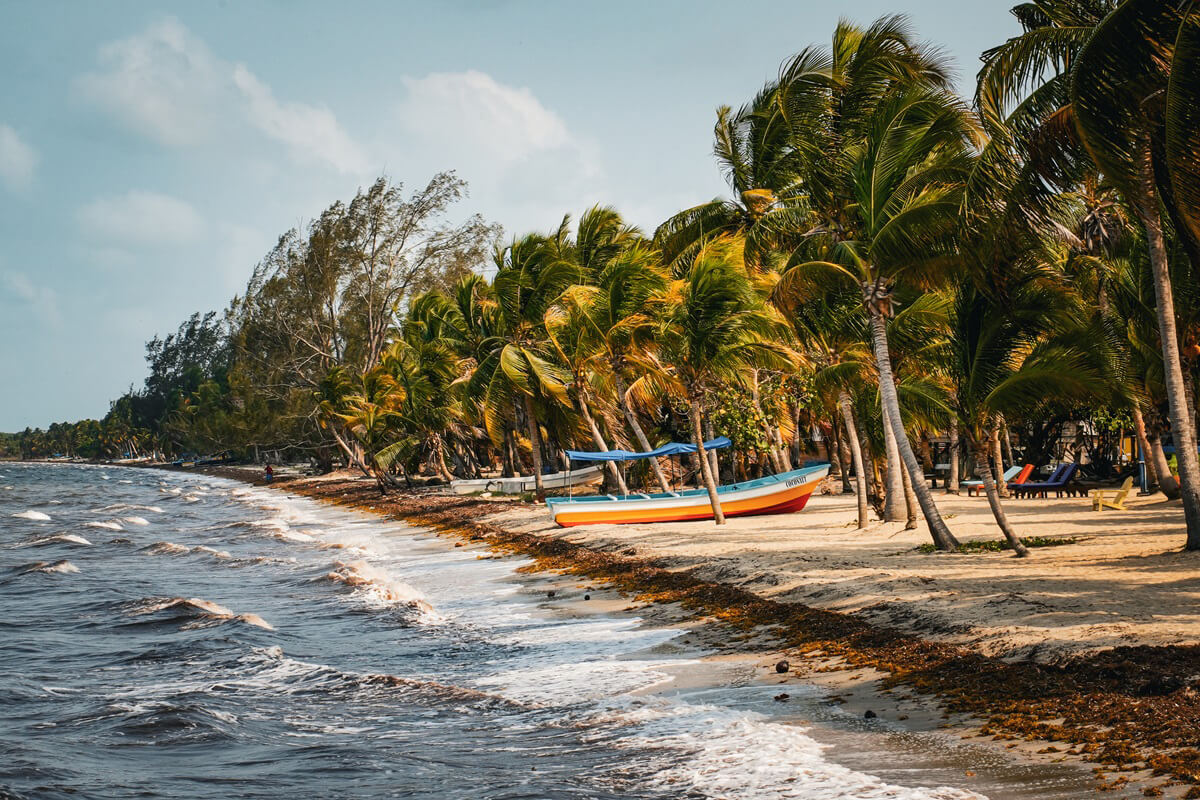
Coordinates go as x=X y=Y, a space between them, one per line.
x=520 y=484
x=776 y=494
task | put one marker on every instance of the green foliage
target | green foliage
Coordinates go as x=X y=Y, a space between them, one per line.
x=997 y=545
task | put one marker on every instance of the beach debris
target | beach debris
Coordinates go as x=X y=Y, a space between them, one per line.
x=782 y=697
x=782 y=667
x=550 y=593
x=870 y=714
x=587 y=597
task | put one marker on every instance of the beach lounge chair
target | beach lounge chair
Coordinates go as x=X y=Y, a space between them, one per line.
x=1057 y=483
x=1114 y=500
x=1009 y=474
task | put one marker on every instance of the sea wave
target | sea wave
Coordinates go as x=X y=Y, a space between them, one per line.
x=201 y=612
x=65 y=538
x=33 y=516
x=61 y=566
x=376 y=588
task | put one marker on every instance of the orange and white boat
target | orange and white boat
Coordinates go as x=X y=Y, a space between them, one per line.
x=776 y=494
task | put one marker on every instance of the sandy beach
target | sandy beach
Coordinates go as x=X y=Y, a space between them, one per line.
x=1125 y=582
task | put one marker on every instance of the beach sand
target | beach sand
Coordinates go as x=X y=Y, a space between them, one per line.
x=1126 y=582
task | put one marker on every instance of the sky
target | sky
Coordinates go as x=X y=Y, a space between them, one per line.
x=152 y=152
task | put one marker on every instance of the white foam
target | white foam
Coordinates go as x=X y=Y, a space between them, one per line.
x=136 y=520
x=108 y=526
x=745 y=755
x=375 y=588
x=69 y=538
x=33 y=516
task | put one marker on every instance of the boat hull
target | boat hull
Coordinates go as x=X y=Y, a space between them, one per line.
x=779 y=494
x=517 y=485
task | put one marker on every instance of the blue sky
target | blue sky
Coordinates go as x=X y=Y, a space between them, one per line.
x=151 y=153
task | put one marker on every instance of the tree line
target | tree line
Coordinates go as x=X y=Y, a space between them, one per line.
x=893 y=266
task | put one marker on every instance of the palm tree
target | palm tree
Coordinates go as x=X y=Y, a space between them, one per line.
x=906 y=176
x=1119 y=87
x=624 y=322
x=1012 y=356
x=574 y=335
x=517 y=364
x=754 y=152
x=713 y=328
x=832 y=332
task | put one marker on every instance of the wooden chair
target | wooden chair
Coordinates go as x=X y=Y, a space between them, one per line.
x=1100 y=502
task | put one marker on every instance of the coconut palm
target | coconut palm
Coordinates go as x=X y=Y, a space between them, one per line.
x=517 y=364
x=714 y=327
x=1120 y=85
x=906 y=178
x=754 y=152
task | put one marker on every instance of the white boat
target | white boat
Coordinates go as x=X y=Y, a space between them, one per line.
x=521 y=483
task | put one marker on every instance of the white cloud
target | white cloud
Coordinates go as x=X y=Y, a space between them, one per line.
x=17 y=159
x=520 y=157
x=168 y=85
x=42 y=300
x=473 y=108
x=139 y=218
x=312 y=133
x=163 y=82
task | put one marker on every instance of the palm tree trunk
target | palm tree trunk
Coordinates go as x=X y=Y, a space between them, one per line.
x=598 y=439
x=714 y=464
x=892 y=509
x=910 y=502
x=1182 y=429
x=705 y=468
x=439 y=462
x=1139 y=428
x=1162 y=468
x=997 y=458
x=993 y=497
x=952 y=478
x=943 y=539
x=1008 y=451
x=860 y=475
x=535 y=448
x=638 y=433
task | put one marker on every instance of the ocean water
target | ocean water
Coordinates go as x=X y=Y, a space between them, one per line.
x=182 y=636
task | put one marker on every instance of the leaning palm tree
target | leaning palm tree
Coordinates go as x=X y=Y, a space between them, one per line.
x=517 y=365
x=1135 y=113
x=906 y=178
x=713 y=328
x=1014 y=354
x=832 y=332
x=574 y=335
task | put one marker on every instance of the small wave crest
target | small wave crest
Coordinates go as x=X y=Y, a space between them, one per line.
x=376 y=587
x=136 y=520
x=33 y=516
x=199 y=611
x=61 y=566
x=108 y=525
x=166 y=549
x=64 y=538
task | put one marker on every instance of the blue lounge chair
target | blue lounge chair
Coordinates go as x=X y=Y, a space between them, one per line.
x=1057 y=483
x=973 y=486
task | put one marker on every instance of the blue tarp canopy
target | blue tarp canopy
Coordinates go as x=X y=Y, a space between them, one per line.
x=668 y=449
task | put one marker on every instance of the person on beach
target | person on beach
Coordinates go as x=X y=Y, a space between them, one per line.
x=268 y=474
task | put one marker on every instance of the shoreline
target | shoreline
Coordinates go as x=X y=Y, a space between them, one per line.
x=1077 y=711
